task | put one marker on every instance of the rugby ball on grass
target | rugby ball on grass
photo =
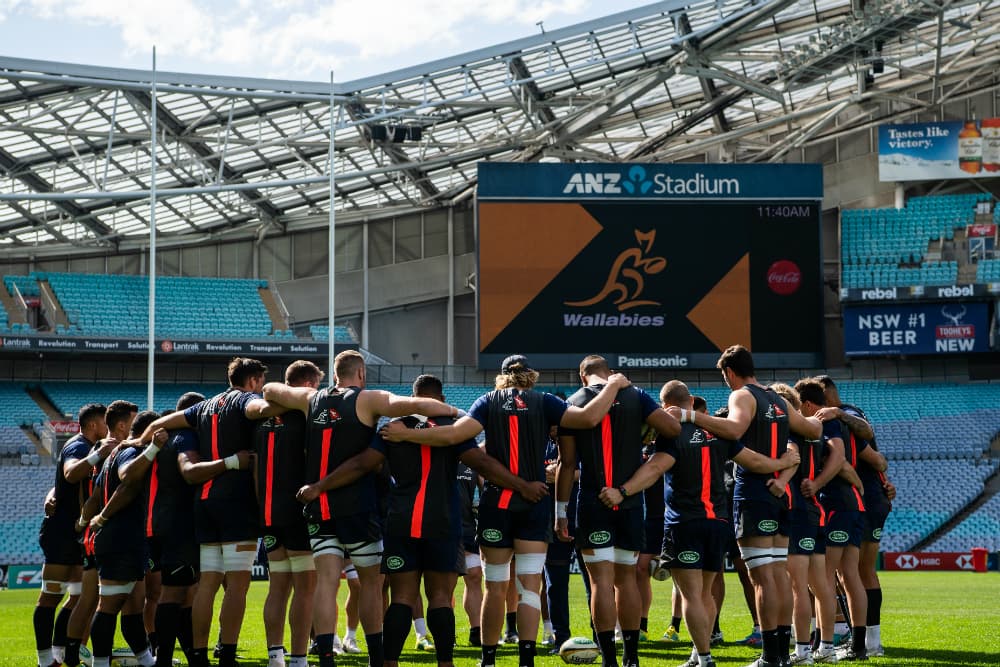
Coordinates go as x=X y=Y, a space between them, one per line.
x=579 y=651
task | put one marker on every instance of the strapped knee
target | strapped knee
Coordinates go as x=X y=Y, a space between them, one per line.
x=497 y=571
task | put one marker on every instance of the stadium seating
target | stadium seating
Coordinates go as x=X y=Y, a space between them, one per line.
x=886 y=247
x=988 y=270
x=17 y=409
x=342 y=334
x=187 y=308
x=22 y=491
x=68 y=397
x=979 y=529
x=27 y=285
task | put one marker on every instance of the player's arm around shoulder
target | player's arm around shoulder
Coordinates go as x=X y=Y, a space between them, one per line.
x=742 y=407
x=291 y=398
x=807 y=427
x=466 y=428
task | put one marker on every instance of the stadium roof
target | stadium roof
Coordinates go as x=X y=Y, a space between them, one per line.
x=671 y=81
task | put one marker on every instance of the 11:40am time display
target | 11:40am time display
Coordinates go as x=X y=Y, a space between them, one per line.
x=785 y=211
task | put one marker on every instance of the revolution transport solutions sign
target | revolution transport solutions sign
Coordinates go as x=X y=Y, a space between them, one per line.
x=650 y=265
x=87 y=344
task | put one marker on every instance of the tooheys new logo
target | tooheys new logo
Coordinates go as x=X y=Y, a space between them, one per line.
x=624 y=287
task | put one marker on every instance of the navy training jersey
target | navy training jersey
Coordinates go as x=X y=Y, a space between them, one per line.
x=839 y=494
x=811 y=455
x=468 y=493
x=335 y=434
x=170 y=498
x=69 y=496
x=424 y=501
x=280 y=443
x=611 y=452
x=224 y=429
x=124 y=529
x=698 y=477
x=517 y=426
x=767 y=435
x=873 y=480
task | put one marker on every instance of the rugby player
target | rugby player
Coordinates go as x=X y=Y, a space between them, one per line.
x=345 y=522
x=879 y=493
x=652 y=498
x=761 y=421
x=697 y=516
x=516 y=420
x=280 y=473
x=610 y=539
x=225 y=509
x=469 y=486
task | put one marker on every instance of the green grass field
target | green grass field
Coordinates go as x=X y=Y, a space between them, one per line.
x=928 y=619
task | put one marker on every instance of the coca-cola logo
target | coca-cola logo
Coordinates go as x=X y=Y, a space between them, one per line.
x=167 y=346
x=784 y=277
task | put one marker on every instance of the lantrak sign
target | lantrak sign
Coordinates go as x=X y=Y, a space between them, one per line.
x=167 y=347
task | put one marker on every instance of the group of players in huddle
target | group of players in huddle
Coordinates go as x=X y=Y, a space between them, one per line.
x=187 y=495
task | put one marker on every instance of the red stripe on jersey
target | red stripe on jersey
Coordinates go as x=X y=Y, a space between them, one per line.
x=324 y=500
x=417 y=520
x=154 y=485
x=706 y=483
x=857 y=496
x=854 y=452
x=269 y=479
x=607 y=446
x=207 y=486
x=822 y=512
x=513 y=455
x=774 y=444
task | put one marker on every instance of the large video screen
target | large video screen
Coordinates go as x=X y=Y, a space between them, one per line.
x=651 y=266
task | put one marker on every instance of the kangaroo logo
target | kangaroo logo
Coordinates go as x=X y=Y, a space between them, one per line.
x=637 y=181
x=625 y=281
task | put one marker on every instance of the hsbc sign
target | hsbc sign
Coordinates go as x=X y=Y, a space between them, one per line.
x=927 y=561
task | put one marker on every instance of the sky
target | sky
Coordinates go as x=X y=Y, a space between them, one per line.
x=283 y=39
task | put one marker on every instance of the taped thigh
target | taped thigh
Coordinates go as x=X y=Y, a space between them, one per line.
x=626 y=557
x=472 y=561
x=301 y=563
x=210 y=556
x=365 y=554
x=117 y=589
x=496 y=571
x=755 y=557
x=602 y=555
x=327 y=545
x=238 y=556
x=529 y=564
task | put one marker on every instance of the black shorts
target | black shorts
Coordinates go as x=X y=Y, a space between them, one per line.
x=154 y=554
x=699 y=544
x=760 y=518
x=219 y=521
x=599 y=526
x=499 y=528
x=122 y=565
x=470 y=544
x=874 y=522
x=805 y=536
x=653 y=528
x=176 y=559
x=291 y=536
x=409 y=554
x=350 y=529
x=844 y=528
x=60 y=544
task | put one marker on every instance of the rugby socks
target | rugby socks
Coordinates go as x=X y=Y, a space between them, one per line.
x=198 y=657
x=59 y=638
x=526 y=653
x=874 y=633
x=547 y=628
x=167 y=618
x=276 y=656
x=376 y=654
x=715 y=628
x=134 y=633
x=43 y=620
x=803 y=649
x=858 y=641
x=511 y=622
x=630 y=648
x=102 y=634
x=185 y=630
x=441 y=621
x=297 y=661
x=324 y=648
x=420 y=627
x=770 y=652
x=644 y=624
x=227 y=655
x=675 y=622
x=72 y=657
x=475 y=636
x=395 y=629
x=704 y=659
x=489 y=656
x=609 y=652
x=784 y=639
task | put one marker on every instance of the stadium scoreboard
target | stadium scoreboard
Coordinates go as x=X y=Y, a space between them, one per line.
x=650 y=265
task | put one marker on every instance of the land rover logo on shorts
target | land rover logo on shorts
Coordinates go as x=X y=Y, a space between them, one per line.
x=838 y=536
x=270 y=541
x=394 y=562
x=807 y=543
x=600 y=537
x=688 y=557
x=150 y=565
x=492 y=535
x=877 y=533
x=313 y=528
x=768 y=526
